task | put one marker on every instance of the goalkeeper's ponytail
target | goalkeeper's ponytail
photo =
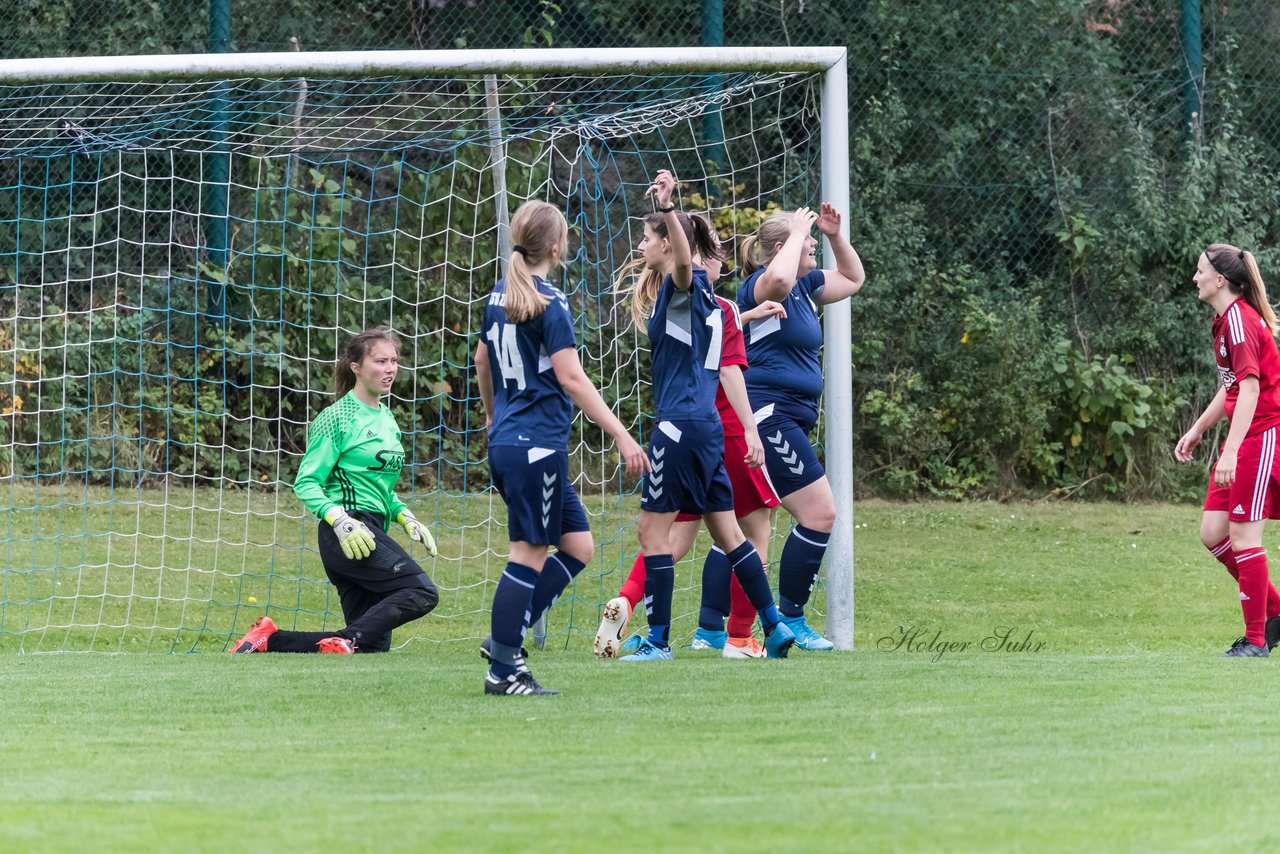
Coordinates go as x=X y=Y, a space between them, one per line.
x=344 y=378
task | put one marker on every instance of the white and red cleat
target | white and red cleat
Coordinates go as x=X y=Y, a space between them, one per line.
x=743 y=648
x=613 y=626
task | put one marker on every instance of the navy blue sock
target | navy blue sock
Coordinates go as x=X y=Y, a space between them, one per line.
x=798 y=568
x=746 y=564
x=557 y=573
x=510 y=616
x=659 y=582
x=715 y=591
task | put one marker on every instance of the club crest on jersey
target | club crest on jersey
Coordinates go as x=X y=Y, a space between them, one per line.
x=1222 y=346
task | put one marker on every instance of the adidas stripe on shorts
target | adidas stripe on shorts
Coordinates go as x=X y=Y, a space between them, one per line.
x=1256 y=493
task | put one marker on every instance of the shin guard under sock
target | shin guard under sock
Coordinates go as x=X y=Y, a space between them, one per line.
x=659 y=581
x=1254 y=582
x=510 y=616
x=798 y=568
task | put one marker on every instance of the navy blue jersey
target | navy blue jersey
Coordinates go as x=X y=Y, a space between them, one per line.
x=784 y=353
x=530 y=407
x=685 y=335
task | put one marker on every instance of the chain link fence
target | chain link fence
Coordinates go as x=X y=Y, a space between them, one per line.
x=112 y=27
x=1031 y=186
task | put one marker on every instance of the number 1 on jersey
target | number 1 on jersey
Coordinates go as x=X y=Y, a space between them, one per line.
x=510 y=365
x=716 y=321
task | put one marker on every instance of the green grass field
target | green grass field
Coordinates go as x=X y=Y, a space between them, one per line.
x=1124 y=731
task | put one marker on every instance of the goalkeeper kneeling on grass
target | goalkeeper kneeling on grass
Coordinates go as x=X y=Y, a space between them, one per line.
x=347 y=479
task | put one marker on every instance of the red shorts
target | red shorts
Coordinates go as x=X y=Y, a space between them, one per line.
x=751 y=487
x=1256 y=493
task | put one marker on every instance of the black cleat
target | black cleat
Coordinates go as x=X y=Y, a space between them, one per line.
x=520 y=665
x=521 y=684
x=1273 y=632
x=1243 y=649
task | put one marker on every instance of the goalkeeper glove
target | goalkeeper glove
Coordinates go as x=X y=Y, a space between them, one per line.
x=417 y=531
x=353 y=535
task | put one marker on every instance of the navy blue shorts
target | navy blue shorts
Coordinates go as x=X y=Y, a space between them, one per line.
x=789 y=457
x=688 y=469
x=542 y=504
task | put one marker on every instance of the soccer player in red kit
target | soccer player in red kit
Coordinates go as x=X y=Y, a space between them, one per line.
x=1244 y=484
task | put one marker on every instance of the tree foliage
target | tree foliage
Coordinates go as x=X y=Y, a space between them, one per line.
x=1027 y=197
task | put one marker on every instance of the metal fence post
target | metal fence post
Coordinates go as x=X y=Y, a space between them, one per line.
x=218 y=162
x=1193 y=59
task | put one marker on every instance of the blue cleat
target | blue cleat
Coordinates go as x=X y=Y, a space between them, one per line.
x=707 y=639
x=778 y=644
x=807 y=638
x=649 y=652
x=632 y=644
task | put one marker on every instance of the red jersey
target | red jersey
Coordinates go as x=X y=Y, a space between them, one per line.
x=732 y=352
x=1243 y=346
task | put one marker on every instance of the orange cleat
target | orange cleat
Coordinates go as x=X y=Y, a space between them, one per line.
x=256 y=639
x=336 y=646
x=743 y=648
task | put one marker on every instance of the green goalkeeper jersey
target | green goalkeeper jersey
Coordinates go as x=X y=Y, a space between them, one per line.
x=353 y=460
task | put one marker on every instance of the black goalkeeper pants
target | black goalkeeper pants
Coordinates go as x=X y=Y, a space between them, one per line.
x=379 y=593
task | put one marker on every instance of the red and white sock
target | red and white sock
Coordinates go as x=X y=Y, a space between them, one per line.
x=741 y=613
x=1222 y=551
x=633 y=588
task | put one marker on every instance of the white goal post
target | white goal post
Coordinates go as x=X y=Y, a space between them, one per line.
x=830 y=62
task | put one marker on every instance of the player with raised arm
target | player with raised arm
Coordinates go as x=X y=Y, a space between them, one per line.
x=686 y=450
x=529 y=375
x=785 y=383
x=1244 y=484
x=347 y=479
x=753 y=500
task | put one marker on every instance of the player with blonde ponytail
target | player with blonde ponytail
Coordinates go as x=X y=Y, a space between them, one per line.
x=539 y=231
x=1244 y=484
x=760 y=248
x=530 y=376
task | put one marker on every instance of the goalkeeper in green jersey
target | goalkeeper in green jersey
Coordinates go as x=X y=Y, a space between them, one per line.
x=347 y=479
